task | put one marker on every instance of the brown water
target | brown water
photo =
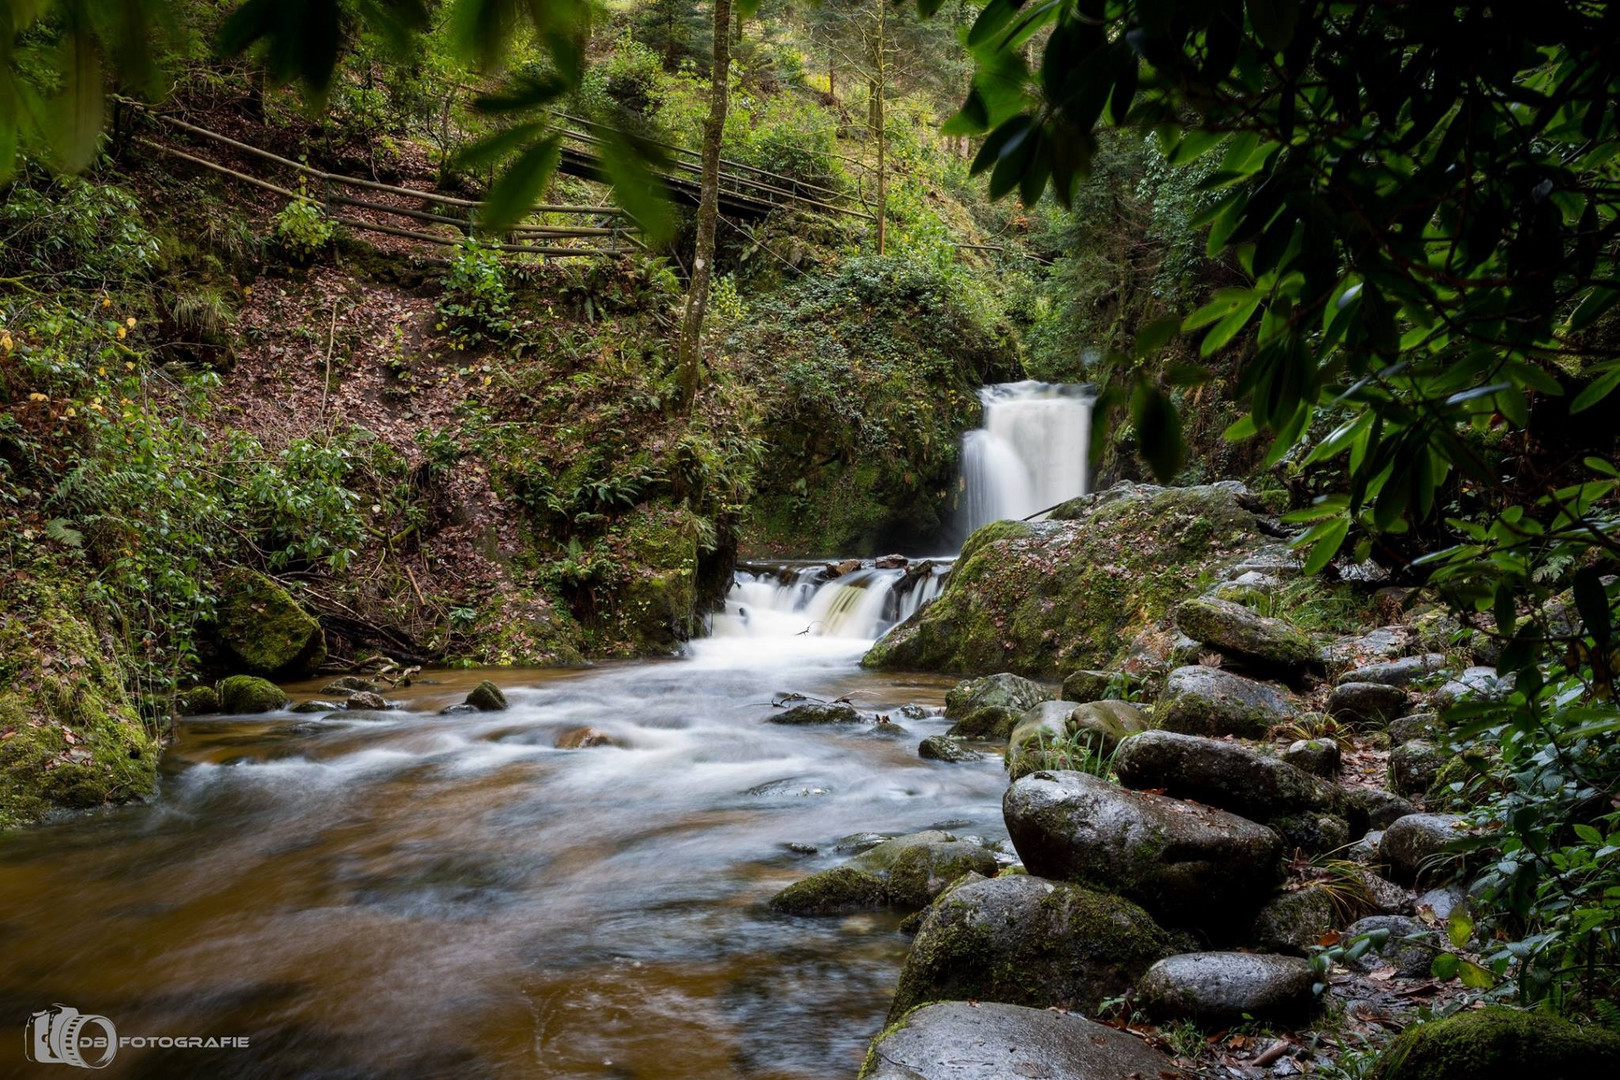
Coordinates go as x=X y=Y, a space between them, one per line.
x=409 y=895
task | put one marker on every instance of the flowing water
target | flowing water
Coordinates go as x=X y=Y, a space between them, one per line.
x=1029 y=454
x=404 y=894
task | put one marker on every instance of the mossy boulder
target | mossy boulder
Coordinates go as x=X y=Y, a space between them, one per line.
x=656 y=602
x=815 y=712
x=947 y=748
x=1043 y=599
x=1027 y=941
x=1242 y=635
x=1086 y=685
x=1293 y=922
x=1319 y=757
x=1405 y=943
x=197 y=701
x=1049 y=733
x=1373 y=704
x=487 y=697
x=1191 y=866
x=839 y=891
x=916 y=868
x=245 y=694
x=1000 y=691
x=1417 y=848
x=70 y=736
x=1414 y=767
x=262 y=627
x=1500 y=1044
x=1202 y=700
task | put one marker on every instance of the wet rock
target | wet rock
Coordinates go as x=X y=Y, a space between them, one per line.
x=1051 y=733
x=262 y=626
x=916 y=868
x=1405 y=943
x=891 y=562
x=487 y=697
x=460 y=708
x=349 y=684
x=1105 y=724
x=1365 y=849
x=1086 y=685
x=1314 y=832
x=1226 y=775
x=1027 y=941
x=1275 y=561
x=858 y=842
x=365 y=699
x=316 y=705
x=582 y=738
x=816 y=713
x=1184 y=651
x=1319 y=757
x=1191 y=866
x=914 y=712
x=1383 y=896
x=839 y=891
x=1215 y=989
x=1372 y=808
x=955 y=1040
x=1292 y=922
x=1418 y=725
x=1443 y=900
x=1240 y=633
x=992 y=723
x=197 y=701
x=1366 y=703
x=1386 y=642
x=1413 y=767
x=1500 y=1044
x=1251 y=588
x=839 y=569
x=1208 y=701
x=249 y=694
x=1415 y=848
x=947 y=748
x=1402 y=672
x=1005 y=691
x=1044 y=598
x=1474 y=684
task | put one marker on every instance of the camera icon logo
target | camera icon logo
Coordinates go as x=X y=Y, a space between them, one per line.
x=62 y=1035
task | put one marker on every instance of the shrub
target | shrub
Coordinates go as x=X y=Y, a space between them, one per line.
x=302 y=231
x=476 y=301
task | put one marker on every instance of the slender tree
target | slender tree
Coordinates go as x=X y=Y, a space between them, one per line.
x=688 y=355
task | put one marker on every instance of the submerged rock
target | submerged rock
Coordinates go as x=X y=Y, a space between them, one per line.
x=1500 y=1044
x=988 y=707
x=349 y=684
x=956 y=1040
x=1222 y=774
x=1046 y=598
x=916 y=868
x=1214 y=989
x=1190 y=866
x=947 y=748
x=1027 y=941
x=262 y=626
x=1244 y=635
x=250 y=694
x=316 y=705
x=839 y=891
x=1208 y=701
x=487 y=697
x=1415 y=848
x=582 y=738
x=365 y=699
x=816 y=713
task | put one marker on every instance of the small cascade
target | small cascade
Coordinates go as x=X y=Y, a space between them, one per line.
x=818 y=600
x=1029 y=455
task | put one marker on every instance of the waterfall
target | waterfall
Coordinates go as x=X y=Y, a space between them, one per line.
x=1029 y=455
x=813 y=600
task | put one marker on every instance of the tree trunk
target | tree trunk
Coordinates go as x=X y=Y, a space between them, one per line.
x=882 y=129
x=689 y=353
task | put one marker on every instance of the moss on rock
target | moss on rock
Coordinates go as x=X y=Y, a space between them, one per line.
x=248 y=694
x=197 y=701
x=1050 y=597
x=264 y=629
x=838 y=891
x=70 y=736
x=1499 y=1044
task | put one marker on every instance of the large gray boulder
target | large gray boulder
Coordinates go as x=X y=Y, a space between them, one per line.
x=1202 y=700
x=1372 y=808
x=1415 y=848
x=1222 y=774
x=955 y=1040
x=1294 y=921
x=1214 y=989
x=1414 y=766
x=1402 y=672
x=1189 y=865
x=1367 y=703
x=1028 y=941
x=1398 y=940
x=1087 y=684
x=1244 y=635
x=838 y=891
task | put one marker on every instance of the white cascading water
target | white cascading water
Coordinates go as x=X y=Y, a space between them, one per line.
x=803 y=601
x=1029 y=455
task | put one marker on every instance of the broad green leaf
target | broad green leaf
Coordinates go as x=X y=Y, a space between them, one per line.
x=1274 y=21
x=520 y=187
x=1445 y=966
x=1325 y=541
x=1156 y=335
x=1596 y=391
x=1158 y=431
x=1475 y=977
x=77 y=109
x=1459 y=927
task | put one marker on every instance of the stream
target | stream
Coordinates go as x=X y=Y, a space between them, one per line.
x=403 y=894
